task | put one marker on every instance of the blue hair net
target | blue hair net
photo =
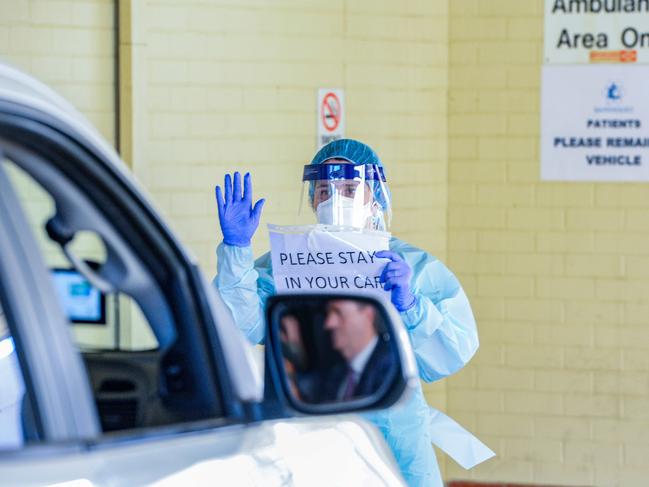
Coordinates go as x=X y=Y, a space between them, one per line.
x=349 y=149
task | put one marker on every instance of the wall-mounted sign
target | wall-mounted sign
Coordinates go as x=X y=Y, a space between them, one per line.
x=595 y=123
x=596 y=31
x=331 y=115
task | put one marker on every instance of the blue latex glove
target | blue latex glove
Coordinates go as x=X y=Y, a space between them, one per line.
x=238 y=218
x=396 y=278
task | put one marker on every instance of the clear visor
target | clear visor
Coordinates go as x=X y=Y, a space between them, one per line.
x=347 y=195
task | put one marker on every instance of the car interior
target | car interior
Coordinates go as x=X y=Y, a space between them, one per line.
x=122 y=295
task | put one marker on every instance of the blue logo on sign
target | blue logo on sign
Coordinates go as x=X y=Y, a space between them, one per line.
x=614 y=92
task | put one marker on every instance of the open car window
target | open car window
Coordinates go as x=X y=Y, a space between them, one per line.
x=99 y=321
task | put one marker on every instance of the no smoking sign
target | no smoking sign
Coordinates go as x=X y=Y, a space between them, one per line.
x=331 y=115
x=331 y=112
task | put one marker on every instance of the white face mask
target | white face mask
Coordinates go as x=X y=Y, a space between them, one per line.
x=346 y=212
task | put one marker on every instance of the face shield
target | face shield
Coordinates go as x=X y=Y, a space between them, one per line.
x=347 y=195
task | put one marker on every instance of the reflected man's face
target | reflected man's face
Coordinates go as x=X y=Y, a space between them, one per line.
x=351 y=325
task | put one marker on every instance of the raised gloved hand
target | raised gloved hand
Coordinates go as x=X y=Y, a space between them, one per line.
x=238 y=218
x=396 y=278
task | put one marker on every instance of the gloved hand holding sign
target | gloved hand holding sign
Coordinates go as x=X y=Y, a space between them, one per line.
x=396 y=277
x=238 y=218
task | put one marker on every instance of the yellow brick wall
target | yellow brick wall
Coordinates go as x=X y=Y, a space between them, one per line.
x=233 y=86
x=557 y=274
x=68 y=45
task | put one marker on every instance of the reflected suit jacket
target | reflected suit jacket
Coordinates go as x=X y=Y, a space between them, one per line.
x=379 y=369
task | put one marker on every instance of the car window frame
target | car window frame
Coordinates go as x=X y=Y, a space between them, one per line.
x=53 y=373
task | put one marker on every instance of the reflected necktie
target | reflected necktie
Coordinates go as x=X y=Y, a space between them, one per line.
x=350 y=384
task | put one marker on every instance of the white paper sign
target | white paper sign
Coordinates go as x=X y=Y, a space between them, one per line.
x=596 y=31
x=331 y=115
x=595 y=123
x=322 y=259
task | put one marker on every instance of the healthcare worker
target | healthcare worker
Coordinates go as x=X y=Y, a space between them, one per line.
x=345 y=185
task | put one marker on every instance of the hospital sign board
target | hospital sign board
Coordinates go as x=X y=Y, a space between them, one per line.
x=594 y=123
x=596 y=31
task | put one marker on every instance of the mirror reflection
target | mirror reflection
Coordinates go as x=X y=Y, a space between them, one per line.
x=335 y=350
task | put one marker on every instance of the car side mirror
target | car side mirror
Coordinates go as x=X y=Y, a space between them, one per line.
x=338 y=353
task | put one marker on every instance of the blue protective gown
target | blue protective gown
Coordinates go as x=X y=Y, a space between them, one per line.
x=440 y=325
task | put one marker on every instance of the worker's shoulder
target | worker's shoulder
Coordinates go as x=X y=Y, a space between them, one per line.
x=429 y=272
x=263 y=262
x=410 y=252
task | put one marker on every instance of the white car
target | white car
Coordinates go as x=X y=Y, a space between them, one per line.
x=178 y=400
